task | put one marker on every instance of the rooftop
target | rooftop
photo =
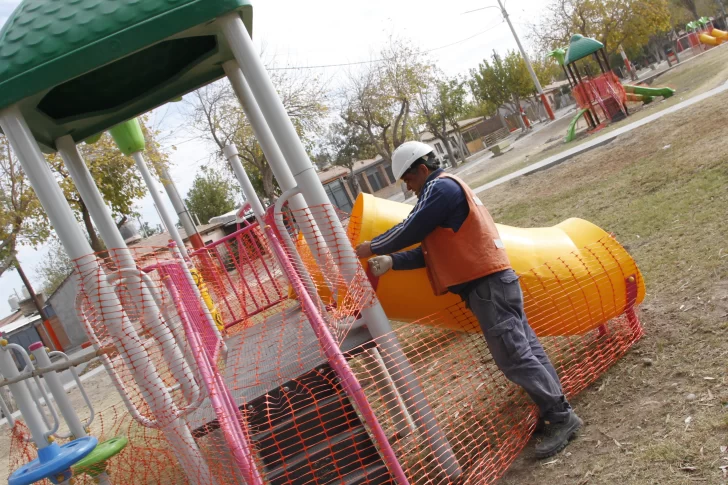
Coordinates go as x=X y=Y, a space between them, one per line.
x=337 y=171
x=427 y=136
x=15 y=321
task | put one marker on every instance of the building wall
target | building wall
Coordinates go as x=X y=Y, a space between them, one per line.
x=63 y=302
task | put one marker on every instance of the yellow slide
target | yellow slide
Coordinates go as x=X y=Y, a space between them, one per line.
x=574 y=275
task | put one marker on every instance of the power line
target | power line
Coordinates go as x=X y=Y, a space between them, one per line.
x=344 y=64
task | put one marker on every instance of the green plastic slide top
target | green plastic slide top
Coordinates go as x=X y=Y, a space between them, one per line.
x=128 y=136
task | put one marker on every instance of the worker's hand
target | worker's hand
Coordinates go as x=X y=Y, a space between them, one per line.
x=380 y=265
x=364 y=250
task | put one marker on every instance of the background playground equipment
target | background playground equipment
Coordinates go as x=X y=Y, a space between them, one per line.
x=307 y=392
x=600 y=97
x=84 y=454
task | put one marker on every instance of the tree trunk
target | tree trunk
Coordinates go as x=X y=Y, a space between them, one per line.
x=269 y=187
x=519 y=117
x=354 y=182
x=96 y=243
x=450 y=157
x=463 y=147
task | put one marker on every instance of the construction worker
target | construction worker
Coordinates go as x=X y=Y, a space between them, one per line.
x=463 y=254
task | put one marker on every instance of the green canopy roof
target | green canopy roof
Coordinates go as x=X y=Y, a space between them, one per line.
x=580 y=47
x=81 y=66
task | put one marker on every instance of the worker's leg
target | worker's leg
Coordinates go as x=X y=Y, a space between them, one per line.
x=538 y=352
x=497 y=303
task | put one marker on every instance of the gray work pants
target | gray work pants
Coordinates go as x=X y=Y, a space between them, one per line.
x=497 y=302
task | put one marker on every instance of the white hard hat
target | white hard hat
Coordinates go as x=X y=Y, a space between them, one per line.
x=406 y=154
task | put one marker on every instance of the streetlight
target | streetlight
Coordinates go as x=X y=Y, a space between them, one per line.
x=544 y=99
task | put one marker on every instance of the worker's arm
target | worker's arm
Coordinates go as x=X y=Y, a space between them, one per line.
x=412 y=259
x=431 y=211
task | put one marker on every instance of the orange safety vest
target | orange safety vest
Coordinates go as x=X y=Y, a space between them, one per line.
x=475 y=251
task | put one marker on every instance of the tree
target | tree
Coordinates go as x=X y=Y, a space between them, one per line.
x=54 y=268
x=690 y=6
x=343 y=146
x=379 y=98
x=217 y=115
x=116 y=176
x=629 y=23
x=22 y=220
x=148 y=230
x=441 y=103
x=212 y=194
x=502 y=82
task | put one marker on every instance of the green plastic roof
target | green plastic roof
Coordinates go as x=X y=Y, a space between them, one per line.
x=580 y=47
x=81 y=66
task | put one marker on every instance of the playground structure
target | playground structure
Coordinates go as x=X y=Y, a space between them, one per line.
x=82 y=455
x=600 y=98
x=702 y=34
x=320 y=389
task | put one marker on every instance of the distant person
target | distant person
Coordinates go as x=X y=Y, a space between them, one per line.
x=463 y=254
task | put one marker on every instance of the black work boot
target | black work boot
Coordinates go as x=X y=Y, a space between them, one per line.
x=557 y=435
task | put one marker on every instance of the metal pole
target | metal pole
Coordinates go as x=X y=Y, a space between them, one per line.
x=166 y=333
x=277 y=162
x=328 y=222
x=179 y=206
x=161 y=209
x=103 y=297
x=23 y=397
x=528 y=63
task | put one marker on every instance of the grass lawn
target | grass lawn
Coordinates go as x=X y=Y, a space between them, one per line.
x=660 y=415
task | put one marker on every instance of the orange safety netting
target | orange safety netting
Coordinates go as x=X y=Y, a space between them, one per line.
x=449 y=414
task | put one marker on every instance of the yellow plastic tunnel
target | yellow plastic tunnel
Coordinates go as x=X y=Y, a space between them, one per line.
x=574 y=276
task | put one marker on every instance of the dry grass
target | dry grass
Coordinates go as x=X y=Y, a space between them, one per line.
x=668 y=206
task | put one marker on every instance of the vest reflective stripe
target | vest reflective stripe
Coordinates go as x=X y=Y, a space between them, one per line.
x=475 y=251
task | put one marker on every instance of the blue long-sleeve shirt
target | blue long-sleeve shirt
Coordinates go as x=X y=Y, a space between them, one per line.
x=442 y=203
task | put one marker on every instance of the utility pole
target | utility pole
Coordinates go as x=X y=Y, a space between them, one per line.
x=46 y=324
x=539 y=89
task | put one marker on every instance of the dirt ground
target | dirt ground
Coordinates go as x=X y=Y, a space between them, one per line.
x=660 y=415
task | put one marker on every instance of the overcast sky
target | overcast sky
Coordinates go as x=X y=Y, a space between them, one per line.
x=325 y=32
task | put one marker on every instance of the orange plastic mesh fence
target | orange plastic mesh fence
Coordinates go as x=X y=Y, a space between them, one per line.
x=300 y=424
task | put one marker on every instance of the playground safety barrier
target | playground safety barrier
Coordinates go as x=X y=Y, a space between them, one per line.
x=287 y=398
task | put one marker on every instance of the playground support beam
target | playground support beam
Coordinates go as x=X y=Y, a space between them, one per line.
x=536 y=82
x=163 y=332
x=23 y=398
x=180 y=208
x=333 y=233
x=161 y=208
x=103 y=297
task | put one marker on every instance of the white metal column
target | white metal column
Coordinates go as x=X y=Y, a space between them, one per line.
x=103 y=297
x=333 y=233
x=163 y=212
x=168 y=334
x=277 y=163
x=23 y=398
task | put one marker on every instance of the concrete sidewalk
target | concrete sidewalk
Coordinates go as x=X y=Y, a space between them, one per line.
x=599 y=140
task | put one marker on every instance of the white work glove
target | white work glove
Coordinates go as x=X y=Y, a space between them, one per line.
x=380 y=265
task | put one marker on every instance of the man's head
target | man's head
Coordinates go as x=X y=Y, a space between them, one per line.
x=413 y=162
